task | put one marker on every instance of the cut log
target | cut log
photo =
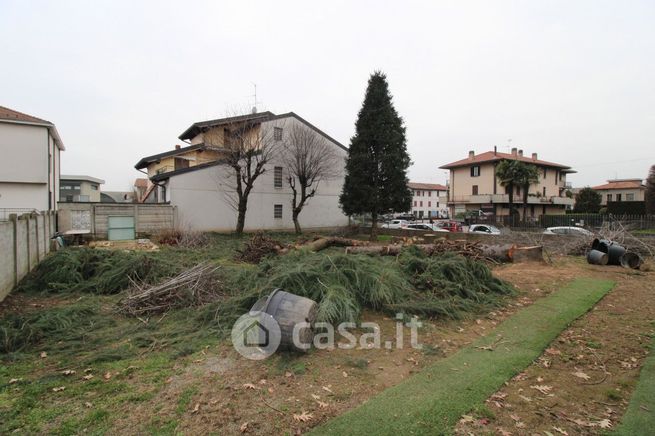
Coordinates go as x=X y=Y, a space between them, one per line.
x=382 y=250
x=499 y=253
x=529 y=254
x=323 y=243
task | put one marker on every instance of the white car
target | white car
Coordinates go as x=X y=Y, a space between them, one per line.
x=395 y=224
x=484 y=228
x=568 y=230
x=426 y=228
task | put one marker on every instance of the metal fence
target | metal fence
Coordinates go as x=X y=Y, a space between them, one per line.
x=632 y=222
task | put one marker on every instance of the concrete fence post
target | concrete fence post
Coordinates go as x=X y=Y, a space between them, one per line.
x=36 y=236
x=136 y=220
x=27 y=234
x=14 y=219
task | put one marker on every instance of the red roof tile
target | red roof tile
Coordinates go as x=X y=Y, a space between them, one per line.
x=491 y=156
x=12 y=115
x=141 y=183
x=621 y=184
x=427 y=186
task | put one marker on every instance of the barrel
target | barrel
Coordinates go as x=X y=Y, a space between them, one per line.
x=614 y=253
x=597 y=257
x=288 y=310
x=631 y=260
x=601 y=245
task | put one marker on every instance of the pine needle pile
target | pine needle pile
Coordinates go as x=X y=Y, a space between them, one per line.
x=194 y=287
x=259 y=247
x=416 y=283
x=94 y=271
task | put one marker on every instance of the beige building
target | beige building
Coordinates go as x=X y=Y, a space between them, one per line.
x=201 y=186
x=474 y=186
x=81 y=189
x=29 y=167
x=621 y=190
x=429 y=200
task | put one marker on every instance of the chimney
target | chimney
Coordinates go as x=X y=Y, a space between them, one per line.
x=534 y=156
x=521 y=153
x=495 y=150
x=471 y=154
x=513 y=151
x=178 y=146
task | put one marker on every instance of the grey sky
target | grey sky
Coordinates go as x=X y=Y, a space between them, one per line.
x=571 y=80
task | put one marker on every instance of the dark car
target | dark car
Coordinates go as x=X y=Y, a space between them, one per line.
x=406 y=217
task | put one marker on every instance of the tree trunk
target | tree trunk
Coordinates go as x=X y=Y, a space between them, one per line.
x=374 y=226
x=511 y=203
x=241 y=216
x=296 y=222
x=525 y=202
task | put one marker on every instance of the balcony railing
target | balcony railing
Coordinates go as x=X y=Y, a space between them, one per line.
x=504 y=198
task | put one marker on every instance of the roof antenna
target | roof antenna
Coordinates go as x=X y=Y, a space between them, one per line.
x=254 y=108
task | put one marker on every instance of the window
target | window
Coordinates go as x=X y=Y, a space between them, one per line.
x=429 y=193
x=618 y=197
x=421 y=204
x=475 y=189
x=429 y=204
x=629 y=197
x=415 y=203
x=277 y=211
x=544 y=190
x=475 y=171
x=609 y=197
x=277 y=133
x=545 y=173
x=277 y=177
x=94 y=187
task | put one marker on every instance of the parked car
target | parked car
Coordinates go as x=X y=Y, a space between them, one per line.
x=568 y=230
x=451 y=226
x=395 y=224
x=426 y=227
x=406 y=217
x=484 y=228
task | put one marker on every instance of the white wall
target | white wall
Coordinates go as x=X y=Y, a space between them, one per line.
x=203 y=199
x=24 y=195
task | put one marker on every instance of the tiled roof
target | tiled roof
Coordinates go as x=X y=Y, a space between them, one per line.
x=621 y=184
x=141 y=183
x=491 y=156
x=12 y=115
x=427 y=186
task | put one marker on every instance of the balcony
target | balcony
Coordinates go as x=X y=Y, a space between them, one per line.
x=504 y=198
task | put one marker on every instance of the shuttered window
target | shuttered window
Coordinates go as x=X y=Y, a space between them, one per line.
x=277 y=211
x=277 y=177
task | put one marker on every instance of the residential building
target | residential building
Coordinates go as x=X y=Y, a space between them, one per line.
x=196 y=180
x=429 y=200
x=621 y=190
x=29 y=168
x=474 y=186
x=81 y=189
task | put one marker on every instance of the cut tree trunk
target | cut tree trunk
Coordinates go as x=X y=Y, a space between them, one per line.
x=527 y=254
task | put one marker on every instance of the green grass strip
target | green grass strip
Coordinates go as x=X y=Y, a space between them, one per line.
x=639 y=419
x=432 y=401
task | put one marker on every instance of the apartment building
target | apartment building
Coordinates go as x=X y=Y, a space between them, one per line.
x=474 y=186
x=429 y=200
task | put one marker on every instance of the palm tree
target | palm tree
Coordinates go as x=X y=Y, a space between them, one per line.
x=507 y=173
x=527 y=176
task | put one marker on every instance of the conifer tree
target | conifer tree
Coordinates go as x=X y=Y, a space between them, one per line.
x=650 y=192
x=376 y=166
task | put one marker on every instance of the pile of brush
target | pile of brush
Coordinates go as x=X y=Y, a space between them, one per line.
x=196 y=286
x=259 y=247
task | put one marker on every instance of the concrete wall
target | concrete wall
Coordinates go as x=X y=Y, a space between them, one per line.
x=24 y=196
x=24 y=242
x=148 y=218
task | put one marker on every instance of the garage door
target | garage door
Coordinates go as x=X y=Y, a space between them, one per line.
x=120 y=228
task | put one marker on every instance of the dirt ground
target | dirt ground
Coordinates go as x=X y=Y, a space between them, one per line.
x=287 y=394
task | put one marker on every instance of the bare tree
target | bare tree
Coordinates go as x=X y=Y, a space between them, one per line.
x=310 y=159
x=246 y=146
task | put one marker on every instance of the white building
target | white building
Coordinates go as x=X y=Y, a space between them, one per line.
x=197 y=181
x=429 y=200
x=29 y=167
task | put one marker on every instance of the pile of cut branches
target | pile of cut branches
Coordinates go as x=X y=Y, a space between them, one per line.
x=194 y=287
x=258 y=248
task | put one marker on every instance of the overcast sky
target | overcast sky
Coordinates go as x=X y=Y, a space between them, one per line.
x=571 y=80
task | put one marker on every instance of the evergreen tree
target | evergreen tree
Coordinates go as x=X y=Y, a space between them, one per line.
x=376 y=166
x=650 y=192
x=587 y=201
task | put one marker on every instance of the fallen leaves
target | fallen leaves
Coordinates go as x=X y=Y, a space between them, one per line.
x=88 y=377
x=244 y=427
x=68 y=372
x=196 y=408
x=604 y=423
x=303 y=417
x=59 y=389
x=581 y=375
x=544 y=389
x=249 y=386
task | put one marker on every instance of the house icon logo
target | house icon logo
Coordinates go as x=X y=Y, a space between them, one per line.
x=256 y=335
